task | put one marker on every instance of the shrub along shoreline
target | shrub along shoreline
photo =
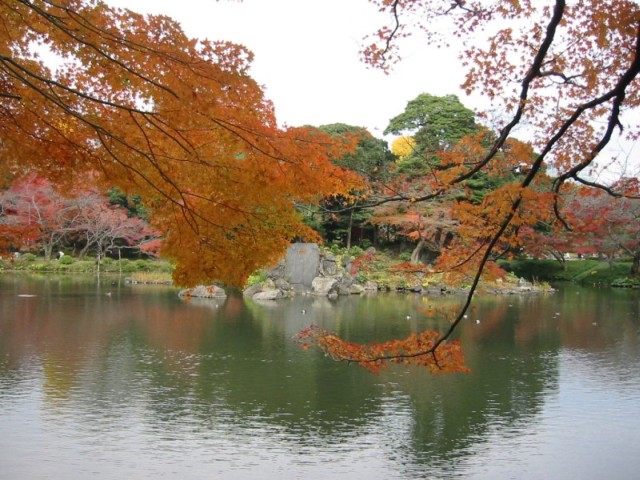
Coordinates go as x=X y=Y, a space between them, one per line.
x=587 y=272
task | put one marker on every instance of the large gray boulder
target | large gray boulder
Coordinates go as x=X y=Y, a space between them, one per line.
x=302 y=264
x=323 y=286
x=252 y=290
x=343 y=286
x=268 y=295
x=328 y=265
x=371 y=286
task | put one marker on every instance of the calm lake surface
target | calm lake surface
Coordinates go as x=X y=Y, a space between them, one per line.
x=106 y=381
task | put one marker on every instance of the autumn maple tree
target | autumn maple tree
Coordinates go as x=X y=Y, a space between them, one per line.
x=14 y=230
x=603 y=224
x=90 y=89
x=41 y=214
x=107 y=228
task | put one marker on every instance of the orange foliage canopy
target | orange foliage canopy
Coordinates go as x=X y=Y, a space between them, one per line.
x=88 y=88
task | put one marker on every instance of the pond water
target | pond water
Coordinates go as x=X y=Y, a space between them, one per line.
x=102 y=380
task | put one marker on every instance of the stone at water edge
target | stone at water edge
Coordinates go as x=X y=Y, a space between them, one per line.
x=203 y=291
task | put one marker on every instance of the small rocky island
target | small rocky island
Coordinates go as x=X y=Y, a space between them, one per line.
x=308 y=270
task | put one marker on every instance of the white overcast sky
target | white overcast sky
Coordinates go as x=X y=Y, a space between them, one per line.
x=306 y=57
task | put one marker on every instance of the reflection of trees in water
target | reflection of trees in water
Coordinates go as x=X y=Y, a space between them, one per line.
x=453 y=414
x=514 y=367
x=251 y=366
x=515 y=354
x=422 y=419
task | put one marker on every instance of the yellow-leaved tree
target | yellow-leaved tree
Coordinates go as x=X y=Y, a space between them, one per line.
x=402 y=147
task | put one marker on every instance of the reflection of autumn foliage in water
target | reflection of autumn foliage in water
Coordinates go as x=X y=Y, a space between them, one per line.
x=70 y=332
x=178 y=330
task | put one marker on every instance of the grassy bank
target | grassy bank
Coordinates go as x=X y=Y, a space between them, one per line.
x=143 y=271
x=582 y=272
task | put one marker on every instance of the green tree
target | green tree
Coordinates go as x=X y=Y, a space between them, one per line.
x=371 y=155
x=370 y=160
x=436 y=123
x=132 y=203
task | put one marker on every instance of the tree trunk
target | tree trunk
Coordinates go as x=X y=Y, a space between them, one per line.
x=415 y=255
x=635 y=266
x=559 y=256
x=84 y=250
x=99 y=255
x=349 y=227
x=48 y=250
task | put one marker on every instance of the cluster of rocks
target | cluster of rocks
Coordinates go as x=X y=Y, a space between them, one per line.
x=203 y=291
x=307 y=270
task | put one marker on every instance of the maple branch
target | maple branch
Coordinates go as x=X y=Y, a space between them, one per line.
x=617 y=95
x=460 y=4
x=565 y=79
x=10 y=96
x=240 y=131
x=610 y=191
x=104 y=134
x=389 y=40
x=21 y=73
x=59 y=24
x=532 y=74
x=188 y=213
x=466 y=260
